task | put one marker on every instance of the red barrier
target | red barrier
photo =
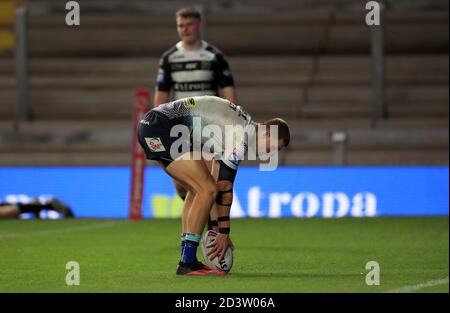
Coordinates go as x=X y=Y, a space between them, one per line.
x=138 y=159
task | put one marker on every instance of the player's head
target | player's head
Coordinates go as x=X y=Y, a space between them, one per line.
x=283 y=138
x=189 y=25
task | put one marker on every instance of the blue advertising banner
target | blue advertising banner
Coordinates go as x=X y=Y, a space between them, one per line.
x=301 y=192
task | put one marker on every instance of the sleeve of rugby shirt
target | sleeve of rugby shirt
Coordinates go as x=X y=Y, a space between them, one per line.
x=164 y=77
x=222 y=71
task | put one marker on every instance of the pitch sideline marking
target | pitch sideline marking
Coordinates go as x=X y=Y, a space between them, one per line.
x=430 y=283
x=66 y=230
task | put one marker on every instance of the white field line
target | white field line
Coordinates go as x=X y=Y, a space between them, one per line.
x=63 y=231
x=430 y=283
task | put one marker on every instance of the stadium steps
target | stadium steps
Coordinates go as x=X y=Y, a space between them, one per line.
x=7 y=88
x=326 y=125
x=401 y=101
x=306 y=158
x=254 y=70
x=110 y=144
x=428 y=65
x=399 y=69
x=303 y=86
x=65 y=159
x=330 y=110
x=82 y=102
x=130 y=34
x=117 y=103
x=370 y=157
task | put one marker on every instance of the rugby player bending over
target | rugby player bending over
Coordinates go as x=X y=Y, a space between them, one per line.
x=208 y=177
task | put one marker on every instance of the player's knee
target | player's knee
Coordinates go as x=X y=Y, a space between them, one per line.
x=182 y=193
x=210 y=189
x=179 y=187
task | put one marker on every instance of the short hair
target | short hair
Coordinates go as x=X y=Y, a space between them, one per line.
x=189 y=12
x=283 y=129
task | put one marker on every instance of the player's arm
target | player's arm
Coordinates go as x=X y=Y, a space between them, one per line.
x=160 y=97
x=222 y=206
x=163 y=83
x=225 y=78
x=224 y=201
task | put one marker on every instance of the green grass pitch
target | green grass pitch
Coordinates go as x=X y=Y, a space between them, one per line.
x=271 y=255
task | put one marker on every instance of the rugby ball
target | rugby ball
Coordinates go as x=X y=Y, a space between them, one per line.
x=226 y=263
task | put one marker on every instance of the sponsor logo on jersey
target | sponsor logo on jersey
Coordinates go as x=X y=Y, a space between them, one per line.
x=193 y=86
x=177 y=56
x=155 y=144
x=191 y=66
x=190 y=103
x=176 y=66
x=205 y=65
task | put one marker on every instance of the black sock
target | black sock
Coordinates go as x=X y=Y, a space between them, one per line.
x=31 y=208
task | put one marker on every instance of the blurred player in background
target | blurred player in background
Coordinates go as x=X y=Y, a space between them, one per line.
x=205 y=190
x=35 y=209
x=192 y=68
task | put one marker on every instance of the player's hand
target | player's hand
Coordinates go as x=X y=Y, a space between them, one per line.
x=219 y=246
